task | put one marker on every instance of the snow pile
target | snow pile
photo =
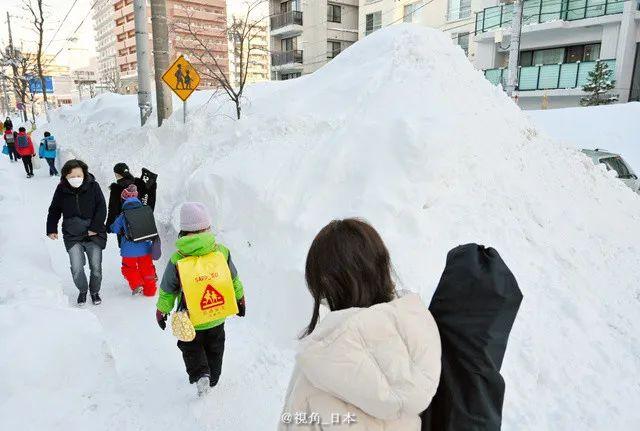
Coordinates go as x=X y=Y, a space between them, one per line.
x=612 y=127
x=399 y=129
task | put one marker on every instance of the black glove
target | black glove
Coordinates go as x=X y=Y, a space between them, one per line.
x=241 y=307
x=162 y=319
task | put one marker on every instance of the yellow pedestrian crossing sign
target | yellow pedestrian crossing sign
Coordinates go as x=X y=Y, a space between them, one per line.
x=182 y=78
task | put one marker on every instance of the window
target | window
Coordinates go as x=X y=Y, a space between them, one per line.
x=616 y=164
x=333 y=49
x=373 y=22
x=458 y=9
x=574 y=54
x=334 y=13
x=548 y=56
x=286 y=76
x=288 y=6
x=289 y=44
x=526 y=58
x=591 y=52
x=463 y=40
x=410 y=11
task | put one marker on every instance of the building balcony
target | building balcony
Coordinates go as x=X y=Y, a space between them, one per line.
x=286 y=24
x=549 y=76
x=287 y=60
x=541 y=11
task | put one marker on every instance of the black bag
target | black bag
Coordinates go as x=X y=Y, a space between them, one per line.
x=141 y=225
x=147 y=185
x=475 y=305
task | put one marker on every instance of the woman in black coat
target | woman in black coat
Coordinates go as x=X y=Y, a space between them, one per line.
x=80 y=202
x=8 y=124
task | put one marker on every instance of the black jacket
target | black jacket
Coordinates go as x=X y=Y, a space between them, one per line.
x=82 y=210
x=8 y=124
x=115 y=202
x=146 y=193
x=475 y=305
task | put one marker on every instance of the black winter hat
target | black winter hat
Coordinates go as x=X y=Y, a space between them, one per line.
x=121 y=169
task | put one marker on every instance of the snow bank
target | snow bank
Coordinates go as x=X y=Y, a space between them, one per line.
x=612 y=127
x=399 y=129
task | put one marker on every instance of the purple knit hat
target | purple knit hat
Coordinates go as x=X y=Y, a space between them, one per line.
x=194 y=217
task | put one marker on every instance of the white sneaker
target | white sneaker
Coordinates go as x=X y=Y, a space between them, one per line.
x=203 y=386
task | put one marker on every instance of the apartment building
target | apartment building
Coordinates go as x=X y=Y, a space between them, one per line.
x=105 y=38
x=451 y=16
x=561 y=42
x=306 y=35
x=197 y=28
x=258 y=62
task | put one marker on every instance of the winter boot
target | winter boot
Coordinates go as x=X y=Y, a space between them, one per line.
x=203 y=385
x=95 y=298
x=137 y=291
x=82 y=299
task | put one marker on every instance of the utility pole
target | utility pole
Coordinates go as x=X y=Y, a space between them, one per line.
x=142 y=56
x=5 y=97
x=160 y=57
x=14 y=68
x=514 y=47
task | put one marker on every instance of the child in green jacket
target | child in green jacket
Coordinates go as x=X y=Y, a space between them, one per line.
x=202 y=356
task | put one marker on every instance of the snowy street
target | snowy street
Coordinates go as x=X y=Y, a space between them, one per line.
x=117 y=369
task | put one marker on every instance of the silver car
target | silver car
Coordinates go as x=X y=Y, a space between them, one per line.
x=614 y=162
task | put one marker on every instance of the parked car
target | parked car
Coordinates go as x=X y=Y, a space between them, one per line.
x=615 y=162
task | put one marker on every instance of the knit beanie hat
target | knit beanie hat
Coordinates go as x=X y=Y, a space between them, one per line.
x=194 y=217
x=121 y=169
x=129 y=192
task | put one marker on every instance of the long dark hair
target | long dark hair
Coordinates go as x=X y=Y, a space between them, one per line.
x=348 y=265
x=71 y=165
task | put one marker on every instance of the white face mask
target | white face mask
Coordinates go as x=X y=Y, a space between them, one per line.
x=75 y=182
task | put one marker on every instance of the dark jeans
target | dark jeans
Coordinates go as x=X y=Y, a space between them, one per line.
x=13 y=153
x=77 y=258
x=203 y=355
x=28 y=166
x=52 y=165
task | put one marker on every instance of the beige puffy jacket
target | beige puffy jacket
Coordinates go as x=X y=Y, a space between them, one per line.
x=380 y=365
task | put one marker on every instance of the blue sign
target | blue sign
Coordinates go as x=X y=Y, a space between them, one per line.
x=35 y=85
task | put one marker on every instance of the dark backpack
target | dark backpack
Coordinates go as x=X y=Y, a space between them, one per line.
x=50 y=144
x=475 y=305
x=147 y=185
x=22 y=141
x=141 y=225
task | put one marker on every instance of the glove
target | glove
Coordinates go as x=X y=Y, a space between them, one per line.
x=162 y=319
x=241 y=307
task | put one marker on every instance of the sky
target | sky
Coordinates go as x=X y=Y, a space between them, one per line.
x=74 y=53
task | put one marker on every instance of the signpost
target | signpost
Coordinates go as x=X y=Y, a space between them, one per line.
x=183 y=79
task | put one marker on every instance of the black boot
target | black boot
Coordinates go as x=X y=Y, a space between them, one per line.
x=95 y=298
x=82 y=299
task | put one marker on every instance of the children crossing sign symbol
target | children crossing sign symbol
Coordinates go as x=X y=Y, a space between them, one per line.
x=182 y=78
x=211 y=298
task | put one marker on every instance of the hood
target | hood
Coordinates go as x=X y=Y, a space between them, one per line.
x=384 y=359
x=194 y=245
x=131 y=203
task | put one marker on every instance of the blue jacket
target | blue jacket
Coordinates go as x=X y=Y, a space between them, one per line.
x=43 y=152
x=129 y=248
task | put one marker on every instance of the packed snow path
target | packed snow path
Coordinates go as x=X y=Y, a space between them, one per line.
x=135 y=379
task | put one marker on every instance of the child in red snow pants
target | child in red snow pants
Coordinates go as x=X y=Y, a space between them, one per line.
x=140 y=272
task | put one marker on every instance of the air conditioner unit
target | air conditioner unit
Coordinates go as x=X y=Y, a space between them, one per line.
x=498 y=35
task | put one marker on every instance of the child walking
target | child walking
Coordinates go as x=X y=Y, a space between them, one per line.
x=48 y=150
x=196 y=249
x=137 y=262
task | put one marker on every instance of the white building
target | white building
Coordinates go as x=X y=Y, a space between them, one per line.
x=305 y=35
x=104 y=26
x=451 y=16
x=561 y=42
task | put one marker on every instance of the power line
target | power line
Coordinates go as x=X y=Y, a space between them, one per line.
x=60 y=26
x=75 y=31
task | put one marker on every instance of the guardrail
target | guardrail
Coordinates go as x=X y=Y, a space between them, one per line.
x=292 y=17
x=286 y=57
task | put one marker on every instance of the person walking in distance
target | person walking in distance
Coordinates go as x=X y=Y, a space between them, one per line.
x=47 y=150
x=24 y=147
x=10 y=139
